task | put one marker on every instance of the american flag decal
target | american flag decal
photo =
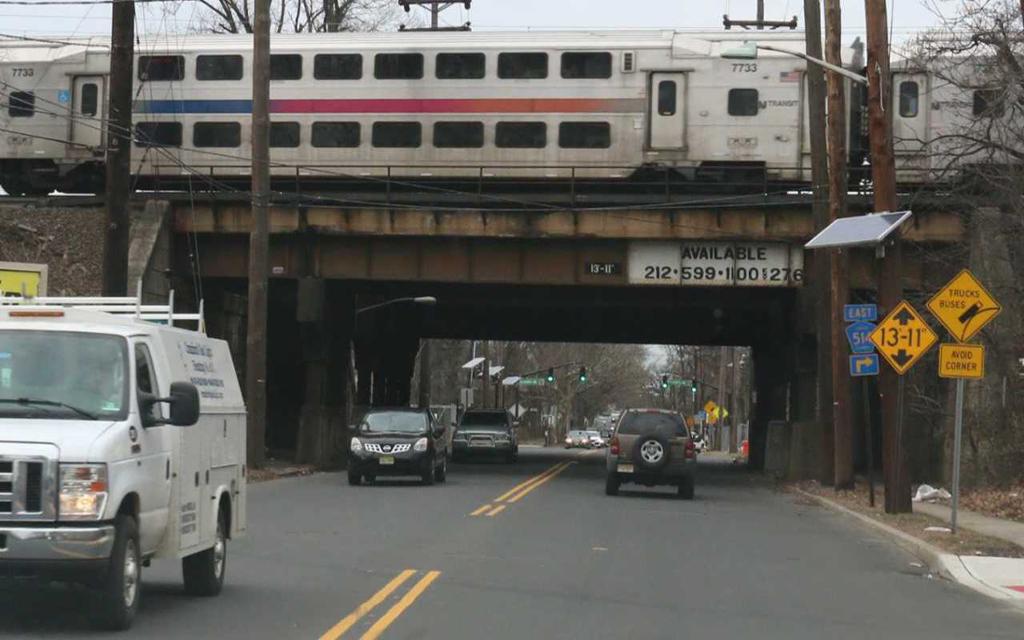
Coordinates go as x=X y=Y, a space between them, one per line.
x=789 y=76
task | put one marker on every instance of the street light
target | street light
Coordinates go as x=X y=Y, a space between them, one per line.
x=748 y=51
x=424 y=300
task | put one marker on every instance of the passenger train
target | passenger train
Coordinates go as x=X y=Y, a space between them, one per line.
x=596 y=105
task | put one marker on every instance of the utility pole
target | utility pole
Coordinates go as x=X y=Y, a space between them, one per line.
x=435 y=7
x=822 y=261
x=734 y=400
x=259 y=241
x=119 y=150
x=723 y=395
x=890 y=284
x=424 y=399
x=839 y=289
x=760 y=15
x=485 y=374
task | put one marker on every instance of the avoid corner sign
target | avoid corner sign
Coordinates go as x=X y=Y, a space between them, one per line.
x=961 y=361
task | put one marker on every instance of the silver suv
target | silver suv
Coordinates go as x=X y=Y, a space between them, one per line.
x=651 y=447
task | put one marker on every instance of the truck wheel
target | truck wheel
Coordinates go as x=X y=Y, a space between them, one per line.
x=354 y=478
x=204 y=571
x=121 y=585
x=686 y=486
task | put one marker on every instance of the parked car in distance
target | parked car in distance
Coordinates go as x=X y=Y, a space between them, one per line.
x=487 y=432
x=575 y=439
x=398 y=442
x=595 y=440
x=651 y=447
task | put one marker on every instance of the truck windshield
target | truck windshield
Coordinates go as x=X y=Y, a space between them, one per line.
x=63 y=375
x=485 y=421
x=394 y=422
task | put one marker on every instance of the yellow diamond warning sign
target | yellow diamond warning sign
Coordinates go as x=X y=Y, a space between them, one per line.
x=964 y=306
x=902 y=337
x=961 y=361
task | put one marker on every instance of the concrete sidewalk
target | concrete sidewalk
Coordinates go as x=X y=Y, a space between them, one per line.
x=1007 y=530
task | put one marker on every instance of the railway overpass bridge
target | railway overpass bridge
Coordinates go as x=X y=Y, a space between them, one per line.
x=612 y=273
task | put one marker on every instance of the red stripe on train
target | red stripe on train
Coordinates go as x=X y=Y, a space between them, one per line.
x=457 y=105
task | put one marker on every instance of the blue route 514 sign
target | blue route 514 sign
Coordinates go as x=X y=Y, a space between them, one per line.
x=860 y=312
x=858 y=335
x=865 y=364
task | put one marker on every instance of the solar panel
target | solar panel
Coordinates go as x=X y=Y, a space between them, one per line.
x=870 y=229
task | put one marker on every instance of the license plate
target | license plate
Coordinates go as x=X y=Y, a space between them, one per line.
x=387 y=460
x=625 y=468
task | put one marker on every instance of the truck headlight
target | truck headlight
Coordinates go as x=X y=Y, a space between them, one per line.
x=355 y=445
x=421 y=445
x=83 y=491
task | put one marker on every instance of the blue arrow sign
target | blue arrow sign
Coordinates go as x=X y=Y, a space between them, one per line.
x=857 y=335
x=864 y=365
x=860 y=312
x=701 y=415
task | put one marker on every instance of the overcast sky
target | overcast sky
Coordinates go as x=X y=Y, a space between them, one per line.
x=910 y=15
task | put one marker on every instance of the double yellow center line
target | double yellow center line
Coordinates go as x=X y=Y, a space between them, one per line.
x=392 y=614
x=520 y=491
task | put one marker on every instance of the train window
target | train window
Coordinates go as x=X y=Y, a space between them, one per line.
x=584 y=135
x=338 y=66
x=286 y=67
x=521 y=135
x=398 y=66
x=667 y=98
x=90 y=99
x=459 y=135
x=217 y=134
x=460 y=66
x=22 y=104
x=987 y=102
x=153 y=68
x=587 y=64
x=405 y=135
x=335 y=134
x=743 y=102
x=158 y=134
x=908 y=99
x=522 y=65
x=284 y=134
x=219 y=67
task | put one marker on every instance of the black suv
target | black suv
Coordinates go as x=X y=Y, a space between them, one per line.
x=486 y=431
x=398 y=442
x=652 y=447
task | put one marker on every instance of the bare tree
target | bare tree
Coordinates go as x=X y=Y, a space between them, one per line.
x=302 y=16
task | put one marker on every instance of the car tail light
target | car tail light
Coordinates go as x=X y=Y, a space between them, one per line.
x=615 y=446
x=691 y=449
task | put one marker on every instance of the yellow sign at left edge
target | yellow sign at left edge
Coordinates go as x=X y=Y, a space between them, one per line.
x=17 y=278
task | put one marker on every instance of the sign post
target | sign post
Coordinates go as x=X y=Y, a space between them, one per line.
x=902 y=338
x=964 y=307
x=864 y=363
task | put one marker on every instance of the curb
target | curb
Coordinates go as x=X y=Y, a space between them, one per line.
x=946 y=565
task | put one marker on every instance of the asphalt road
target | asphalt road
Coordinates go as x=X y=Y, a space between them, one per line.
x=560 y=560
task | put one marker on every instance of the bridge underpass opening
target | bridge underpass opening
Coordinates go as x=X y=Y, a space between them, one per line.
x=326 y=362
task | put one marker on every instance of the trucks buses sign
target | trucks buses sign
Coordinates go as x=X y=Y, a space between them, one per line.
x=716 y=264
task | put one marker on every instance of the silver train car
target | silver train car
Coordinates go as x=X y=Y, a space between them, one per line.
x=595 y=105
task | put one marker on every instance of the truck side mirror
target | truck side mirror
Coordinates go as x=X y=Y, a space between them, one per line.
x=184 y=403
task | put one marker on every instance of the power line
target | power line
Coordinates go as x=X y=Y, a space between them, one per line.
x=49 y=41
x=44 y=3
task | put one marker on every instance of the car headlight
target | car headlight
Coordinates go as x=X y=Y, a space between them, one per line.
x=83 y=491
x=355 y=445
x=503 y=437
x=459 y=436
x=421 y=445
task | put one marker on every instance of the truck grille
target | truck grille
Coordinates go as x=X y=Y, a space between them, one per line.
x=23 y=491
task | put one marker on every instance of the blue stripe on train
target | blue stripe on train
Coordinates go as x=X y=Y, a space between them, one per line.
x=193 y=106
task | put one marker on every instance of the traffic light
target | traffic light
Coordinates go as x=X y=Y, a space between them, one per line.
x=551 y=375
x=583 y=374
x=664 y=381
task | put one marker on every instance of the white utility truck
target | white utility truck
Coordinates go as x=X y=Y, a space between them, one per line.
x=122 y=440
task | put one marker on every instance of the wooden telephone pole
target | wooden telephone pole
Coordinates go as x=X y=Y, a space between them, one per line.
x=119 y=150
x=822 y=277
x=435 y=7
x=890 y=283
x=259 y=241
x=839 y=290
